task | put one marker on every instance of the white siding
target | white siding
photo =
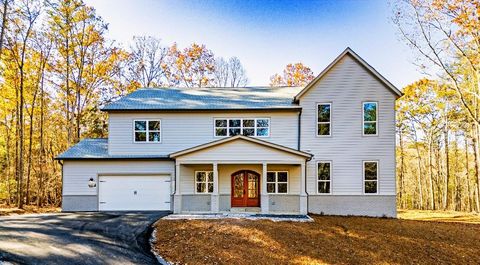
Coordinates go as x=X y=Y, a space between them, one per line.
x=184 y=130
x=346 y=86
x=77 y=173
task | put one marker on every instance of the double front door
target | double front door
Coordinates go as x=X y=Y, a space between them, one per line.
x=245 y=189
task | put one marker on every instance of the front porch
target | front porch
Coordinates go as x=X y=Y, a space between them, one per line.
x=240 y=175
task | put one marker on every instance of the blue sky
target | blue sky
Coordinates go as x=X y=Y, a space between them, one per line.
x=267 y=35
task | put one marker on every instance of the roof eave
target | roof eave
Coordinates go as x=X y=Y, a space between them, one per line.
x=110 y=158
x=251 y=139
x=293 y=108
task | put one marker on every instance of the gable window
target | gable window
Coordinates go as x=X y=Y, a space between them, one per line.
x=259 y=127
x=323 y=119
x=147 y=131
x=324 y=172
x=370 y=118
x=370 y=177
x=277 y=181
x=204 y=181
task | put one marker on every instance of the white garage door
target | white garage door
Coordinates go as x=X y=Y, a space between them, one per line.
x=134 y=193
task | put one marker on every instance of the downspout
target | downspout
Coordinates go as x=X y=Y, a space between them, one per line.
x=174 y=177
x=299 y=129
x=299 y=133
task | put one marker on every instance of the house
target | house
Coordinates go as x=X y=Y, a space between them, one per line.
x=326 y=148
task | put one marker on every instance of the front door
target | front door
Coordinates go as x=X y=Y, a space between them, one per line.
x=245 y=189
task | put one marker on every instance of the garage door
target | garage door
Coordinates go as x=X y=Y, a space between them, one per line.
x=134 y=193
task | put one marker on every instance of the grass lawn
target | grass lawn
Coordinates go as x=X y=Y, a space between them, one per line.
x=451 y=239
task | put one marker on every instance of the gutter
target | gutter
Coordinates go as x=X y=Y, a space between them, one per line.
x=292 y=108
x=111 y=158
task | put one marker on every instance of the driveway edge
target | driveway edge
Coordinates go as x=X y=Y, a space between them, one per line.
x=152 y=241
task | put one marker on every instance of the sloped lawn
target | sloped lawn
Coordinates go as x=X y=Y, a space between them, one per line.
x=328 y=240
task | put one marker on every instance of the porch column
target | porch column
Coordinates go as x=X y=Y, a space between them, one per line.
x=264 y=201
x=177 y=198
x=215 y=198
x=303 y=193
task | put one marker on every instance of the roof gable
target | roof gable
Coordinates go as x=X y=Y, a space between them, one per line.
x=363 y=63
x=239 y=138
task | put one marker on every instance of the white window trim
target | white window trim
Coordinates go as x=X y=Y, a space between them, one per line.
x=318 y=181
x=241 y=126
x=363 y=118
x=206 y=181
x=317 y=122
x=363 y=175
x=276 y=181
x=147 y=131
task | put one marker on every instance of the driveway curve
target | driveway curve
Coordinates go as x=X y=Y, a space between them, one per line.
x=77 y=238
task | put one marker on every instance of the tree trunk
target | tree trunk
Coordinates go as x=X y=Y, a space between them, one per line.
x=477 y=165
x=446 y=194
x=402 y=171
x=467 y=175
x=430 y=166
x=458 y=183
x=4 y=25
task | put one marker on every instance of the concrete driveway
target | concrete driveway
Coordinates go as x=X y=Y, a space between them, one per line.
x=77 y=238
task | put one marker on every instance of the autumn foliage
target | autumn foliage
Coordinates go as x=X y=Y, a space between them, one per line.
x=293 y=75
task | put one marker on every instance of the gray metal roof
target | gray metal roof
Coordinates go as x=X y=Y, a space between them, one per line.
x=224 y=98
x=97 y=149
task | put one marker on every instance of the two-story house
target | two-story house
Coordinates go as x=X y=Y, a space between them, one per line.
x=326 y=148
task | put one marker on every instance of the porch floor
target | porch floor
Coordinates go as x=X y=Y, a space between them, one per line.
x=243 y=215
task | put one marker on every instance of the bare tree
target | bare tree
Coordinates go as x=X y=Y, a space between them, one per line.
x=229 y=73
x=146 y=64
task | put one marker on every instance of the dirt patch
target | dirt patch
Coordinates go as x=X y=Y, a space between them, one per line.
x=331 y=240
x=11 y=210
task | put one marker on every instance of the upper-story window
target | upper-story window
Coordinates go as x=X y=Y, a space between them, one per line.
x=324 y=119
x=147 y=131
x=259 y=127
x=370 y=118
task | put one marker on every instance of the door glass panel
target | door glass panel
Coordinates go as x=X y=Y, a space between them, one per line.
x=252 y=186
x=238 y=186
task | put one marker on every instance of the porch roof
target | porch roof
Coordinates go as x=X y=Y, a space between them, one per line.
x=256 y=141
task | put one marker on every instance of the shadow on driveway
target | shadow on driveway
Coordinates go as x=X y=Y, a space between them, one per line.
x=78 y=238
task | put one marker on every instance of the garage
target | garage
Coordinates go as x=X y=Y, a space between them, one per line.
x=134 y=193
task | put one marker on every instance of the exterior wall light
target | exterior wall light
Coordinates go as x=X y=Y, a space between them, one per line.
x=92 y=183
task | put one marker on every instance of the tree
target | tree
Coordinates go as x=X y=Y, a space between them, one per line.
x=293 y=75
x=191 y=67
x=445 y=35
x=229 y=73
x=147 y=62
x=19 y=43
x=86 y=61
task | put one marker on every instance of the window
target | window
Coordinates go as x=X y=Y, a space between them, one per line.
x=323 y=119
x=324 y=172
x=204 y=181
x=370 y=176
x=370 y=118
x=259 y=127
x=277 y=182
x=147 y=131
